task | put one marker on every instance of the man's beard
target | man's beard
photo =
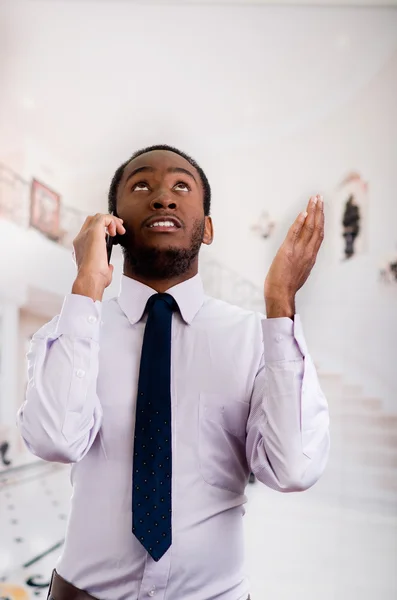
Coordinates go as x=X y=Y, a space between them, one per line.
x=162 y=264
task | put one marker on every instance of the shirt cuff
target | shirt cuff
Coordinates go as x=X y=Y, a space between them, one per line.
x=283 y=339
x=80 y=317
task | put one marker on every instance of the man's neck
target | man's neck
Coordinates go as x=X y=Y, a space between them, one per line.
x=160 y=285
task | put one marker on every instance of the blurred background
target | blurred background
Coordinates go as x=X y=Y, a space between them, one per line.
x=276 y=102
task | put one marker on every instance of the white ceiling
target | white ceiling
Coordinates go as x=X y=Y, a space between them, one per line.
x=92 y=81
x=374 y=3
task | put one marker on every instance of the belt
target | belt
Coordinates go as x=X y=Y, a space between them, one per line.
x=60 y=589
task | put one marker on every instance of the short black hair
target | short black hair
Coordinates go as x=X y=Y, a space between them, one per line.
x=114 y=186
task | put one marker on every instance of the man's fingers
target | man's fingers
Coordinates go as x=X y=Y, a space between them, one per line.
x=119 y=226
x=305 y=224
x=110 y=223
x=116 y=226
x=308 y=229
x=296 y=227
x=111 y=228
x=318 y=235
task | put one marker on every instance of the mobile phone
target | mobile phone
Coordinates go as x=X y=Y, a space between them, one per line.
x=111 y=240
x=109 y=246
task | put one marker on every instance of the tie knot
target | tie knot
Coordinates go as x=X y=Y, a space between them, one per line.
x=164 y=299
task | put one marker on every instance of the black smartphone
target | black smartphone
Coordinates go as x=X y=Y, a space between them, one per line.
x=109 y=246
x=111 y=241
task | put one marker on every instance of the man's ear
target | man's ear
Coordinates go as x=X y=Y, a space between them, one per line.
x=208 y=231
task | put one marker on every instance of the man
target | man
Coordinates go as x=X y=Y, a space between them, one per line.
x=165 y=399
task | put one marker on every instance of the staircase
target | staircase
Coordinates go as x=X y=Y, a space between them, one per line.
x=362 y=468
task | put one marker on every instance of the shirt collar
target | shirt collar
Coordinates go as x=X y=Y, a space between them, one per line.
x=134 y=295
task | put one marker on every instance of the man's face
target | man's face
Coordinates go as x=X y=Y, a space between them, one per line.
x=160 y=200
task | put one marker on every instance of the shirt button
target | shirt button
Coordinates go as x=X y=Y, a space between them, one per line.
x=92 y=319
x=279 y=338
x=152 y=592
x=80 y=373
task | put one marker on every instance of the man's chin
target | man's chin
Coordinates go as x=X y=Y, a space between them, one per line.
x=162 y=256
x=155 y=248
x=158 y=262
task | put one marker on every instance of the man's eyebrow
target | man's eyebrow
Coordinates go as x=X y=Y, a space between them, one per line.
x=138 y=170
x=151 y=169
x=181 y=170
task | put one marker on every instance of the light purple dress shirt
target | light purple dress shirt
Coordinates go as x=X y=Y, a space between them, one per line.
x=245 y=396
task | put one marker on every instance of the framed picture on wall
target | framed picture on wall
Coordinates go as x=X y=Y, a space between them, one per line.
x=45 y=208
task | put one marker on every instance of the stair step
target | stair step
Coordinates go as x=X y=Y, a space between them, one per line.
x=329 y=377
x=374 y=422
x=361 y=477
x=331 y=388
x=347 y=457
x=381 y=504
x=355 y=402
x=352 y=390
x=362 y=439
x=358 y=492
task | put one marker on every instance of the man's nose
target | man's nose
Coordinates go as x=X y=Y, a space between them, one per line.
x=163 y=200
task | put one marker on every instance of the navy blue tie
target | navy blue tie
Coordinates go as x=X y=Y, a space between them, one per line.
x=152 y=464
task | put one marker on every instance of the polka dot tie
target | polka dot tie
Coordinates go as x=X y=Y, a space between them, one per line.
x=152 y=464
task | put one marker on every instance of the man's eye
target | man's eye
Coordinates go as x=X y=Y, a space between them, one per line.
x=184 y=185
x=140 y=186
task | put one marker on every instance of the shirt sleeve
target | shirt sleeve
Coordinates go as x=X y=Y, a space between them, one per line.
x=62 y=415
x=288 y=425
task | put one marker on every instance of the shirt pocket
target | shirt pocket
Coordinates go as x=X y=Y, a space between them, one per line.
x=221 y=447
x=117 y=431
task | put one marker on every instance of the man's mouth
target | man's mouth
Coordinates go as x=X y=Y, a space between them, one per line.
x=163 y=224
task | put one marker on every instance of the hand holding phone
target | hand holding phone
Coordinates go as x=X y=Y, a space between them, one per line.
x=93 y=255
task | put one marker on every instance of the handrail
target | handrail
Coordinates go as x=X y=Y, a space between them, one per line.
x=224 y=283
x=14 y=197
x=24 y=467
x=4 y=167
